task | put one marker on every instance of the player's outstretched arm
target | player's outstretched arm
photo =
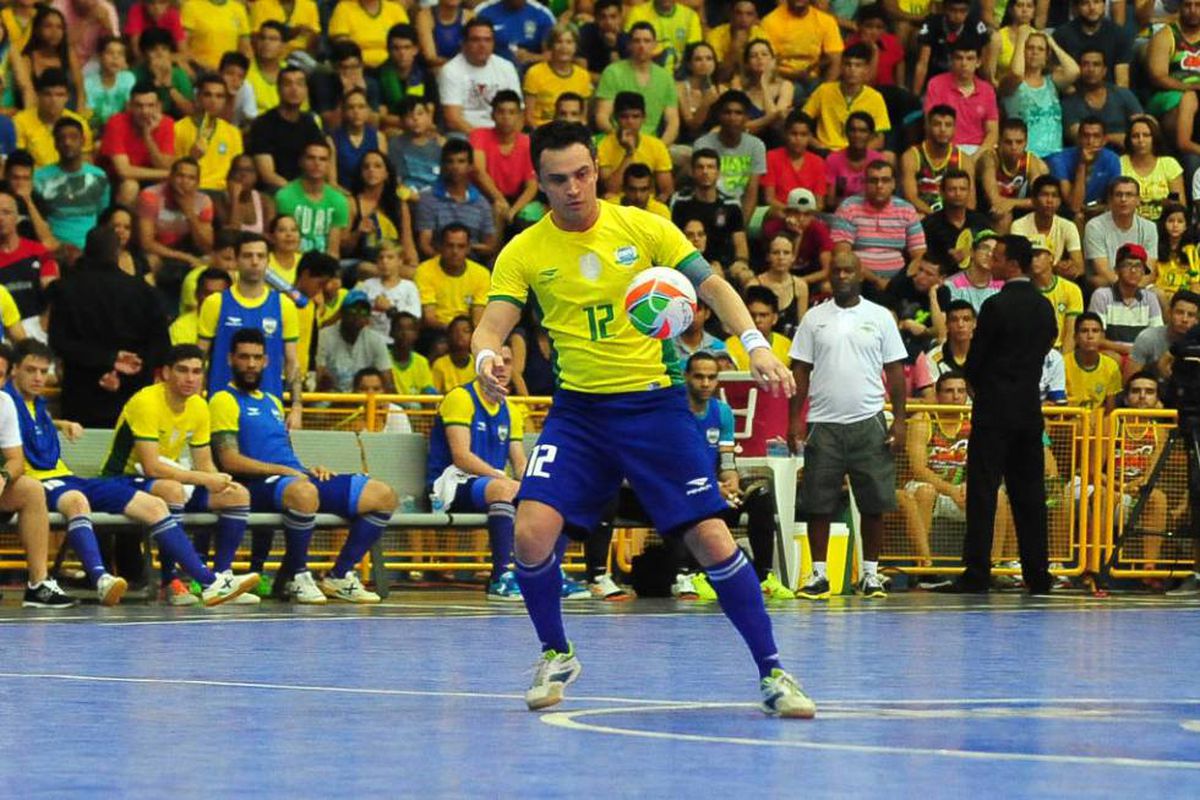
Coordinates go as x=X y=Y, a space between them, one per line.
x=766 y=369
x=498 y=320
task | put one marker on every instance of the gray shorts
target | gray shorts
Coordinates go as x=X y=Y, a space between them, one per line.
x=858 y=449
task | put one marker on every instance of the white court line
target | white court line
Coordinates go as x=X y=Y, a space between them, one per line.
x=569 y=720
x=216 y=620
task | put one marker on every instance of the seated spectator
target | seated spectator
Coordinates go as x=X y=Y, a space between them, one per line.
x=1159 y=176
x=145 y=14
x=330 y=90
x=1120 y=225
x=697 y=91
x=204 y=136
x=1061 y=234
x=212 y=29
x=1062 y=294
x=31 y=208
x=89 y=21
x=695 y=339
x=1125 y=307
x=813 y=242
x=951 y=354
x=1086 y=170
x=391 y=293
x=27 y=267
x=321 y=211
x=107 y=88
x=791 y=167
x=807 y=41
x=377 y=214
x=350 y=346
x=974 y=283
x=847 y=169
x=355 y=137
x=570 y=107
x=35 y=123
x=301 y=19
x=1152 y=347
x=604 y=41
x=1031 y=90
x=503 y=168
x=455 y=367
x=159 y=70
x=938 y=37
x=743 y=157
x=371 y=381
x=924 y=165
x=720 y=216
x=131 y=259
x=74 y=191
x=763 y=304
x=1096 y=96
x=403 y=75
x=729 y=40
x=675 y=25
x=630 y=144
x=1007 y=173
x=278 y=138
x=468 y=82
x=1169 y=64
x=1178 y=258
x=906 y=15
x=138 y=145
x=440 y=31
x=410 y=369
x=1093 y=379
x=1090 y=28
x=546 y=80
x=887 y=67
x=454 y=200
x=239 y=205
x=952 y=229
x=223 y=258
x=769 y=94
x=184 y=330
x=416 y=152
x=49 y=48
x=1018 y=19
x=284 y=257
x=879 y=227
x=918 y=299
x=316 y=279
x=367 y=22
x=791 y=292
x=977 y=116
x=242 y=108
x=832 y=103
x=175 y=224
x=521 y=28
x=639 y=74
x=452 y=285
x=637 y=190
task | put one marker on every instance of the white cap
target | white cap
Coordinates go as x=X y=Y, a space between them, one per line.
x=801 y=199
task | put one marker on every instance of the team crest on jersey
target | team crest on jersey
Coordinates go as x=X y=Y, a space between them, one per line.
x=530 y=28
x=626 y=256
x=502 y=432
x=713 y=435
x=270 y=325
x=589 y=266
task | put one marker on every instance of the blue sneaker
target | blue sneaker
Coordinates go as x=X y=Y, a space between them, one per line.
x=505 y=588
x=574 y=590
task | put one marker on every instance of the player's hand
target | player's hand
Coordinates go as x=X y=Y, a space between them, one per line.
x=72 y=430
x=959 y=496
x=127 y=363
x=110 y=381
x=494 y=377
x=295 y=419
x=895 y=441
x=730 y=491
x=217 y=482
x=321 y=473
x=770 y=374
x=797 y=434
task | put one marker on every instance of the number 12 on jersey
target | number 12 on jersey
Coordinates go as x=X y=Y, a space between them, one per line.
x=599 y=316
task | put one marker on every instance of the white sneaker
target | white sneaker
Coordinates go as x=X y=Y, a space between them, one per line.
x=605 y=588
x=782 y=696
x=683 y=588
x=110 y=589
x=553 y=673
x=228 y=587
x=348 y=589
x=246 y=599
x=303 y=589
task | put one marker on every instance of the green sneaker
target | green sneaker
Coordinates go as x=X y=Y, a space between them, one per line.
x=264 y=587
x=772 y=589
x=704 y=589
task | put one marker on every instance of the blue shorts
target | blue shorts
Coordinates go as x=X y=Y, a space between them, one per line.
x=339 y=495
x=108 y=495
x=590 y=442
x=470 y=496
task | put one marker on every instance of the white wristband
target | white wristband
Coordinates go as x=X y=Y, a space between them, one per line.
x=481 y=355
x=753 y=339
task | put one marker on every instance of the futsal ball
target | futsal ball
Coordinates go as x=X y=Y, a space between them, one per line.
x=660 y=302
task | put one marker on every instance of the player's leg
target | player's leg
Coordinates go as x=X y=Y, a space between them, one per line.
x=496 y=496
x=232 y=507
x=73 y=505
x=25 y=497
x=299 y=500
x=369 y=504
x=171 y=492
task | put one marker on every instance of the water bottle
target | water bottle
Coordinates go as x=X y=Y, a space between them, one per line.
x=277 y=282
x=777 y=447
x=435 y=503
x=408 y=504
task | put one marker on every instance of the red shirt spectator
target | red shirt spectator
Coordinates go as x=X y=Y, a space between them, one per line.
x=814 y=240
x=122 y=138
x=891 y=53
x=154 y=14
x=509 y=172
x=170 y=224
x=783 y=174
x=24 y=270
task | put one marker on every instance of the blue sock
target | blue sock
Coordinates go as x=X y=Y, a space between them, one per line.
x=365 y=530
x=173 y=543
x=260 y=549
x=541 y=587
x=297 y=533
x=231 y=528
x=82 y=538
x=741 y=598
x=500 y=536
x=167 y=565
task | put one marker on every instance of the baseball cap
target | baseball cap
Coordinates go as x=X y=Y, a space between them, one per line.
x=356 y=297
x=1039 y=242
x=801 y=199
x=983 y=236
x=1134 y=251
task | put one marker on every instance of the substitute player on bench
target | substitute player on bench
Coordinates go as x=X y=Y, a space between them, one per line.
x=618 y=412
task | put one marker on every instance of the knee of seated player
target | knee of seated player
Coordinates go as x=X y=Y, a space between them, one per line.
x=23 y=494
x=146 y=508
x=73 y=504
x=710 y=542
x=170 y=491
x=235 y=495
x=301 y=497
x=377 y=497
x=925 y=494
x=501 y=490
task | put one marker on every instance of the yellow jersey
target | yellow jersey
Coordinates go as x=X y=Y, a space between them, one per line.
x=673 y=32
x=650 y=151
x=38 y=138
x=653 y=205
x=304 y=15
x=413 y=378
x=9 y=313
x=580 y=279
x=351 y=21
x=148 y=417
x=446 y=374
x=213 y=29
x=1090 y=387
x=451 y=295
x=1067 y=300
x=185 y=330
x=544 y=85
x=780 y=346
x=224 y=144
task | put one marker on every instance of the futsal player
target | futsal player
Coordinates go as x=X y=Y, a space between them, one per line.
x=75 y=497
x=155 y=428
x=618 y=412
x=251 y=442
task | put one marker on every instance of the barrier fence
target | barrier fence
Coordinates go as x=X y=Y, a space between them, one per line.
x=1096 y=468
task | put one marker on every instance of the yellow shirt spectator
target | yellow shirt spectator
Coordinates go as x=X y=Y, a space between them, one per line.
x=830 y=107
x=800 y=41
x=368 y=30
x=719 y=38
x=780 y=345
x=415 y=377
x=452 y=295
x=1090 y=387
x=185 y=328
x=223 y=143
x=10 y=315
x=18 y=32
x=543 y=86
x=304 y=15
x=38 y=138
x=447 y=374
x=675 y=30
x=650 y=151
x=653 y=205
x=1067 y=300
x=213 y=29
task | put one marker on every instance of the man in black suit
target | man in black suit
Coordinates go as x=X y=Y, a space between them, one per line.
x=1016 y=329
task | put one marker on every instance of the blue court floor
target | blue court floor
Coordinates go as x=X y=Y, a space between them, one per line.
x=919 y=696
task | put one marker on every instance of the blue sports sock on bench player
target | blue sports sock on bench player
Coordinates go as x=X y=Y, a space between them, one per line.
x=541 y=588
x=298 y=533
x=741 y=599
x=260 y=549
x=365 y=530
x=174 y=544
x=231 y=529
x=82 y=538
x=500 y=536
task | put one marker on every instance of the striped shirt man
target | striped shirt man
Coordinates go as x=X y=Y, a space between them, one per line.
x=879 y=235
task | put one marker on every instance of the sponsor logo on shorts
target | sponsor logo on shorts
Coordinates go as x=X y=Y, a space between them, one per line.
x=698 y=486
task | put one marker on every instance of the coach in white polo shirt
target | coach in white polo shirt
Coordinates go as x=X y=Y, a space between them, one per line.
x=842 y=351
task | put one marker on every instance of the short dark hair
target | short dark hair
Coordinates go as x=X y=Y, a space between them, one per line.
x=859 y=51
x=568 y=97
x=643 y=26
x=1042 y=181
x=247 y=336
x=344 y=49
x=705 y=152
x=6 y=355
x=408 y=104
x=478 y=22
x=31 y=348
x=51 y=78
x=1094 y=50
x=949 y=375
x=207 y=78
x=214 y=274
x=1014 y=124
x=797 y=117
x=104 y=41
x=454 y=147
x=628 y=101
x=878 y=164
x=287 y=69
x=1089 y=316
x=1141 y=375
x=154 y=37
x=559 y=135
x=276 y=26
x=317 y=264
x=1093 y=121
x=183 y=352
x=699 y=355
x=603 y=4
x=942 y=110
x=453 y=227
x=954 y=173
x=637 y=170
x=184 y=161
x=860 y=116
x=764 y=295
x=963 y=44
x=733 y=96
x=402 y=30
x=19 y=158
x=67 y=122
x=960 y=305
x=143 y=87
x=1185 y=296
x=225 y=238
x=236 y=59
x=506 y=96
x=1120 y=179
x=367 y=372
x=403 y=315
x=1019 y=249
x=249 y=237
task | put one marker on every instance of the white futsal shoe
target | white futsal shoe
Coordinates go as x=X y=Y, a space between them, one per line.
x=783 y=697
x=228 y=587
x=553 y=673
x=348 y=589
x=303 y=589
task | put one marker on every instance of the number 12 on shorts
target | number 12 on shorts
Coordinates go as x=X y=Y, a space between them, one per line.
x=539 y=458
